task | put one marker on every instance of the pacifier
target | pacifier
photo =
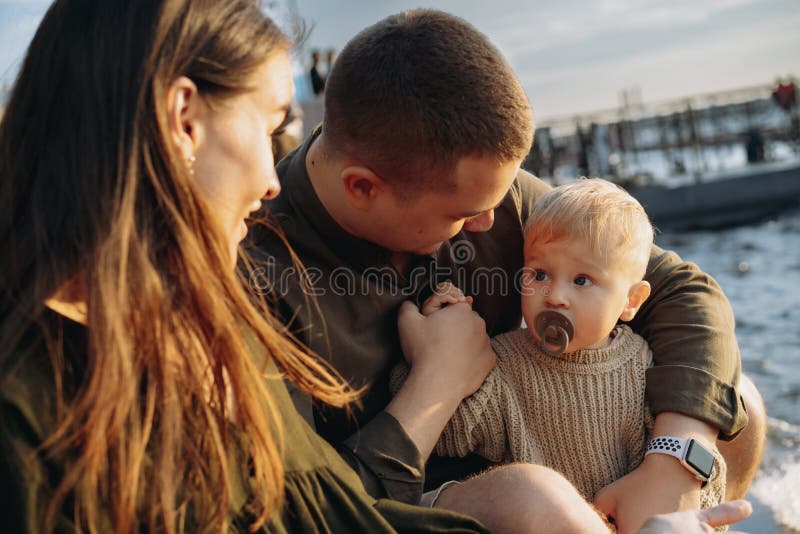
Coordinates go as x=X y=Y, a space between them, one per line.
x=554 y=332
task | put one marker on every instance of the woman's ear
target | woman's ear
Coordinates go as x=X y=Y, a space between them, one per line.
x=185 y=115
x=361 y=186
x=637 y=294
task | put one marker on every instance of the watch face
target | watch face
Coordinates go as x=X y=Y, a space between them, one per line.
x=698 y=457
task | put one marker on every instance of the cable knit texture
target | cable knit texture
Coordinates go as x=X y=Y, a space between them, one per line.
x=582 y=414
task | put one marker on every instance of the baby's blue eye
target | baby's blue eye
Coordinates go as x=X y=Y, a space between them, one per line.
x=540 y=276
x=582 y=281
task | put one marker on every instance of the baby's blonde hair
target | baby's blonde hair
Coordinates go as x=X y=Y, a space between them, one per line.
x=599 y=213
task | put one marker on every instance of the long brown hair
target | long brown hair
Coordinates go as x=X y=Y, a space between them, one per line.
x=92 y=189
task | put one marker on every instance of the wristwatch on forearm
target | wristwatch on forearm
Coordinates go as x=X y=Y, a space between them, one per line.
x=692 y=454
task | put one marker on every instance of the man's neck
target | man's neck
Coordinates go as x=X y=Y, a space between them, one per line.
x=323 y=173
x=401 y=262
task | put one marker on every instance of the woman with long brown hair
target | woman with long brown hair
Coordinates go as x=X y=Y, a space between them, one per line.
x=140 y=385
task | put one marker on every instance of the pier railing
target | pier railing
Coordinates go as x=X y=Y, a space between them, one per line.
x=667 y=137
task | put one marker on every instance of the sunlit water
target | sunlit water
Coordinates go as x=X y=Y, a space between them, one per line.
x=759 y=268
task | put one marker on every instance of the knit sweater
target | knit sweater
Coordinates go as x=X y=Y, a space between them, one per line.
x=583 y=413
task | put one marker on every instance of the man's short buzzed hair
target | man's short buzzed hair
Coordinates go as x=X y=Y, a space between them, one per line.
x=413 y=94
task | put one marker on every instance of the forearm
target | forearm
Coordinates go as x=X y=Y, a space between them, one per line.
x=682 y=426
x=389 y=452
x=423 y=409
x=660 y=484
x=449 y=356
x=680 y=488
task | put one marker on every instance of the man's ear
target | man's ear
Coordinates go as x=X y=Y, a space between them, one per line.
x=637 y=294
x=185 y=114
x=362 y=186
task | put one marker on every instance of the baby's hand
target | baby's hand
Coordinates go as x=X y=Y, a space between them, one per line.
x=444 y=294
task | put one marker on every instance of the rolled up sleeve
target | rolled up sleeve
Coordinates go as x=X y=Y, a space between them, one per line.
x=689 y=325
x=700 y=395
x=386 y=459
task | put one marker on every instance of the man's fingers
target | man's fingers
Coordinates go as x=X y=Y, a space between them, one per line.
x=605 y=503
x=727 y=513
x=448 y=288
x=443 y=288
x=438 y=302
x=407 y=314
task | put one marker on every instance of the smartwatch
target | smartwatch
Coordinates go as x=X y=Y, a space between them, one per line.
x=692 y=454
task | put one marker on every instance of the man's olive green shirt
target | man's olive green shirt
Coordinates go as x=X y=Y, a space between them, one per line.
x=343 y=302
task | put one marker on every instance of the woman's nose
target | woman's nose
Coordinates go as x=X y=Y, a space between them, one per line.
x=273 y=185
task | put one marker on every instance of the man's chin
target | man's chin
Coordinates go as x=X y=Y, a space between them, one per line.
x=433 y=249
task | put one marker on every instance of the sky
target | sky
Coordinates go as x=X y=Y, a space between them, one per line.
x=571 y=56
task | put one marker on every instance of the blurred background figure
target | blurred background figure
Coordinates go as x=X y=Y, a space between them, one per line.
x=329 y=58
x=317 y=81
x=755 y=146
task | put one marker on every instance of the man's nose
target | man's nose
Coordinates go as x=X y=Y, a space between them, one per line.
x=480 y=223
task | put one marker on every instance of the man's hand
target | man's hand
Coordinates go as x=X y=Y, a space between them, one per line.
x=450 y=356
x=451 y=345
x=698 y=522
x=444 y=295
x=660 y=484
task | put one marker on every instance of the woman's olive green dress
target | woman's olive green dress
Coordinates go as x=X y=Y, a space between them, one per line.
x=322 y=493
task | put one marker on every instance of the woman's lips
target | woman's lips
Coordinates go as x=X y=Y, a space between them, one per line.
x=242 y=226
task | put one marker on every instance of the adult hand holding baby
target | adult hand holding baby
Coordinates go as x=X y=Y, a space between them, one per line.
x=660 y=484
x=450 y=356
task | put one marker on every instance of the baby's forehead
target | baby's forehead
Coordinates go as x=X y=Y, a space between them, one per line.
x=610 y=255
x=534 y=241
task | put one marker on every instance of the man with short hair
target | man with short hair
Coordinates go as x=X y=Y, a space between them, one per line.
x=414 y=179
